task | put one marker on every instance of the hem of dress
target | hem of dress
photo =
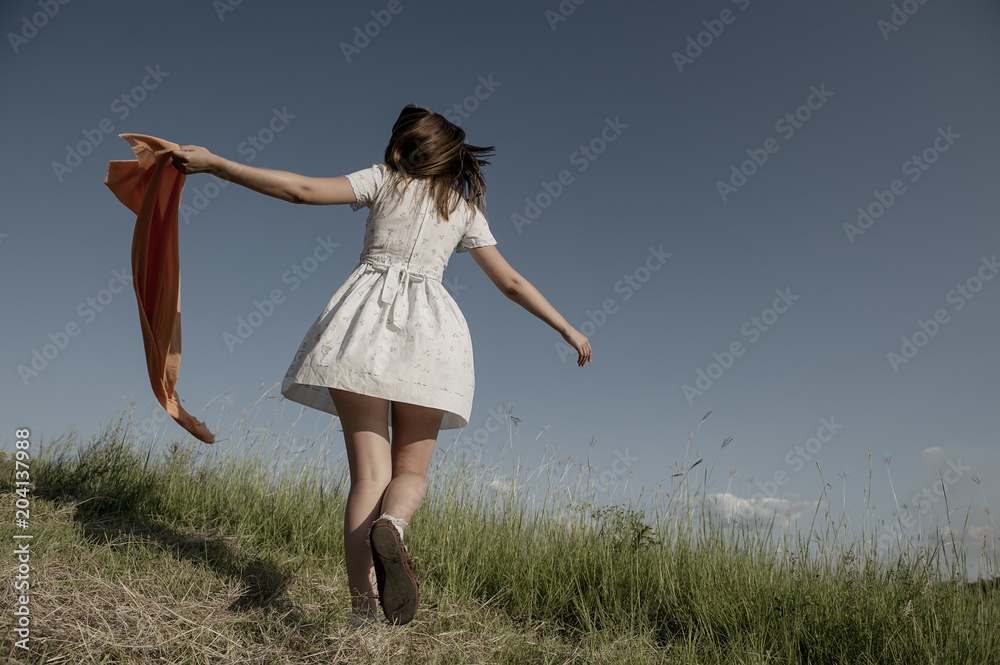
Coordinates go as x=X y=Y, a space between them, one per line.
x=307 y=388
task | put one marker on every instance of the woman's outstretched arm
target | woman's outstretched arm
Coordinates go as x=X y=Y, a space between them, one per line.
x=521 y=291
x=283 y=185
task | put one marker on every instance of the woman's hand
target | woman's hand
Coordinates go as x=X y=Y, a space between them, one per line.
x=579 y=342
x=193 y=159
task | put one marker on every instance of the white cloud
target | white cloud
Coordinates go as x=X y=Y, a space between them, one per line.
x=499 y=486
x=782 y=511
x=973 y=533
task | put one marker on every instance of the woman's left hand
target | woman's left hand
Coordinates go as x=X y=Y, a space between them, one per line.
x=193 y=159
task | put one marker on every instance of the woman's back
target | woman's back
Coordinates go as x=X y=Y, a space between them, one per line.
x=405 y=226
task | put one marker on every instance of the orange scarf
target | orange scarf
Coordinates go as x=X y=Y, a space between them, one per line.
x=151 y=188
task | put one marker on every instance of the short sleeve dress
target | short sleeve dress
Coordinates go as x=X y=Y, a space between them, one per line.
x=392 y=330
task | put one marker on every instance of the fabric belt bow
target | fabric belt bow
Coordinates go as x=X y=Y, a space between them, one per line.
x=397 y=279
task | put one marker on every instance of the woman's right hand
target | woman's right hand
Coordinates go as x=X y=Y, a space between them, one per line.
x=189 y=159
x=579 y=342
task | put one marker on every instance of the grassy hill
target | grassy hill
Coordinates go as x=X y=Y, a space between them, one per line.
x=138 y=557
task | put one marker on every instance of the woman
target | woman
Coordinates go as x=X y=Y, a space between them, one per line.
x=392 y=348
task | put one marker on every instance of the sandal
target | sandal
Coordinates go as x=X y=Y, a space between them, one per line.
x=398 y=591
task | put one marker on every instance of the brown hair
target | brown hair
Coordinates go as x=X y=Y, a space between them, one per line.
x=426 y=145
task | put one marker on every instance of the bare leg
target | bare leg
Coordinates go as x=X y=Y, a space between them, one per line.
x=365 y=421
x=414 y=433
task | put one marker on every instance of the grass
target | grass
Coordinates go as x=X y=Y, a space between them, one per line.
x=194 y=556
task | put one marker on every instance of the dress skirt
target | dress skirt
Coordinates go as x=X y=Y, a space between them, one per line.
x=389 y=331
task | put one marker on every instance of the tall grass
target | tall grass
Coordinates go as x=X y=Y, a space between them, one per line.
x=539 y=546
x=687 y=574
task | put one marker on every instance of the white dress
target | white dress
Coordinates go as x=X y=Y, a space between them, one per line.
x=392 y=330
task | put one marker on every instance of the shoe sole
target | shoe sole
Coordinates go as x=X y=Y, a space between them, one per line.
x=399 y=595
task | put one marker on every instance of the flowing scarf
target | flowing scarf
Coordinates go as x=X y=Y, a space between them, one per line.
x=151 y=188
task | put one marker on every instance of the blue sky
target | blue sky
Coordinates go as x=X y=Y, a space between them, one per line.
x=739 y=138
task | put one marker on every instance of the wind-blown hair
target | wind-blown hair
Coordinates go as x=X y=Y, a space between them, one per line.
x=426 y=145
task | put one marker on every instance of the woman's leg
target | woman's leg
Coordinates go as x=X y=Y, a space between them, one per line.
x=365 y=421
x=414 y=433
